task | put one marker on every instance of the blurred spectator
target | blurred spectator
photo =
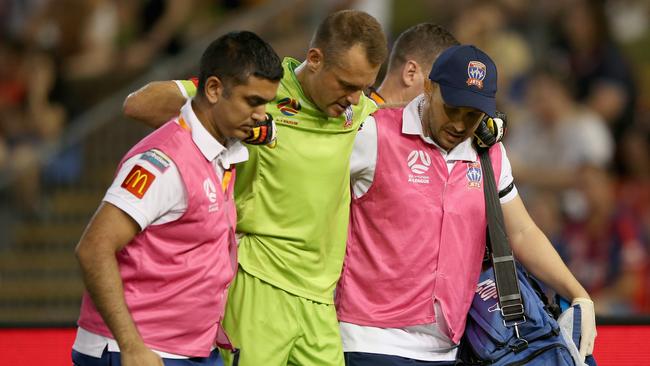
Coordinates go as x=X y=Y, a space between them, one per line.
x=97 y=50
x=605 y=250
x=636 y=181
x=39 y=90
x=634 y=189
x=157 y=25
x=14 y=14
x=103 y=42
x=13 y=86
x=559 y=136
x=603 y=77
x=629 y=19
x=485 y=24
x=59 y=28
x=55 y=26
x=28 y=118
x=80 y=33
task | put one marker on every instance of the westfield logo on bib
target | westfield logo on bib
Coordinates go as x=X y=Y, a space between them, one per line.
x=419 y=162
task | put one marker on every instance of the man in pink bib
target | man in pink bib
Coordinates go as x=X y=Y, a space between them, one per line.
x=159 y=254
x=418 y=223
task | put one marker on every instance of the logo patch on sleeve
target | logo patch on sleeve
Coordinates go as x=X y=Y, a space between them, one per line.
x=157 y=158
x=138 y=181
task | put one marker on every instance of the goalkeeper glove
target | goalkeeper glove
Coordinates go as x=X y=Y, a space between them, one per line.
x=264 y=133
x=490 y=130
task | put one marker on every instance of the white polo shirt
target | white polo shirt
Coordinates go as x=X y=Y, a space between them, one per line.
x=164 y=201
x=422 y=342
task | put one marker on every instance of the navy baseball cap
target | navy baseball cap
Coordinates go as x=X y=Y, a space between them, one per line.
x=467 y=78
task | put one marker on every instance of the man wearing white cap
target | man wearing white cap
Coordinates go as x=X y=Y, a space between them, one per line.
x=417 y=223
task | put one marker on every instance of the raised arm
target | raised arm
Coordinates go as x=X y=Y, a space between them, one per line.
x=155 y=103
x=107 y=233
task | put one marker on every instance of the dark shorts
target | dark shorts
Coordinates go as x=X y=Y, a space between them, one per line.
x=376 y=359
x=113 y=359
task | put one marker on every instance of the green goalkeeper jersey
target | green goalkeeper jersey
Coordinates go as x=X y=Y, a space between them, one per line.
x=293 y=199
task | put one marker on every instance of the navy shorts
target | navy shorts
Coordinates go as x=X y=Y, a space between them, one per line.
x=113 y=359
x=376 y=359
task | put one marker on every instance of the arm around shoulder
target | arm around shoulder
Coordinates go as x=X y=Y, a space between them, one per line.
x=155 y=103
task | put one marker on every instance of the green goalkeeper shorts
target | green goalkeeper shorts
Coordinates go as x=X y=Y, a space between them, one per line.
x=272 y=327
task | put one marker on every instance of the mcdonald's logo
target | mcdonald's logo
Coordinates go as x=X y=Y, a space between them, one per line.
x=138 y=181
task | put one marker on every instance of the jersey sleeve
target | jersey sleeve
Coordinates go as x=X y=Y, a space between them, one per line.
x=148 y=187
x=363 y=160
x=188 y=87
x=363 y=110
x=507 y=188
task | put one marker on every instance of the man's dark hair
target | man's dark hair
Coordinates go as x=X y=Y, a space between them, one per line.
x=422 y=43
x=236 y=56
x=344 y=29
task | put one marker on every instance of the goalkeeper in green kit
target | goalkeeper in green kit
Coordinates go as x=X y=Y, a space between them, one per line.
x=293 y=198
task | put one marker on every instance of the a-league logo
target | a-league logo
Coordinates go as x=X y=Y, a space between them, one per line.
x=210 y=190
x=419 y=161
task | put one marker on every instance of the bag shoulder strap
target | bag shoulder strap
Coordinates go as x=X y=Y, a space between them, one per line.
x=503 y=262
